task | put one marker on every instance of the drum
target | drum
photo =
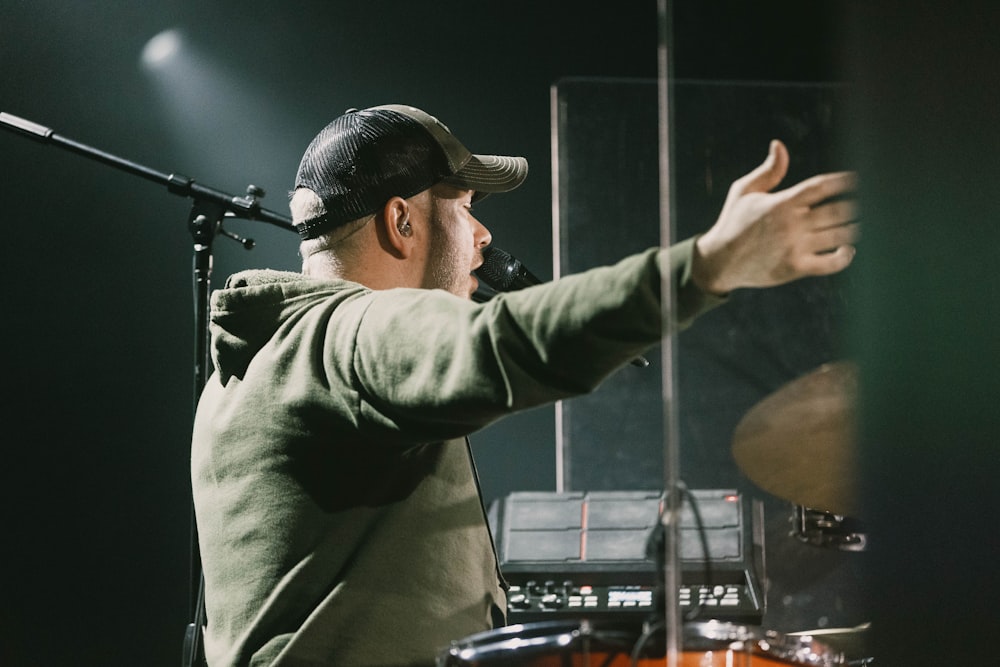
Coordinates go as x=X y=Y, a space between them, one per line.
x=585 y=643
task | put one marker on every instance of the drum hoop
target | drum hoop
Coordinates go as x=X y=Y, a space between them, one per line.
x=799 y=650
x=803 y=650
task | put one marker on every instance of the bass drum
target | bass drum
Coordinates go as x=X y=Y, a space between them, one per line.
x=585 y=643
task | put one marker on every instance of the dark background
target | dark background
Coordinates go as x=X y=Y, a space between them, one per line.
x=99 y=304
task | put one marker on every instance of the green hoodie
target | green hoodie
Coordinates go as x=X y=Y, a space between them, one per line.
x=338 y=513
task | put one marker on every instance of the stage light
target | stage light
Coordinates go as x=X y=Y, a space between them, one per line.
x=224 y=130
x=161 y=48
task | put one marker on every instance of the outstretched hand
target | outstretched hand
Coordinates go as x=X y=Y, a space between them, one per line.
x=765 y=238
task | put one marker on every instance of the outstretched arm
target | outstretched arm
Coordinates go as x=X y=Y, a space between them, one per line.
x=764 y=238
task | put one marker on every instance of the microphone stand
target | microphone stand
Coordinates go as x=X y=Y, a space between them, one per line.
x=204 y=222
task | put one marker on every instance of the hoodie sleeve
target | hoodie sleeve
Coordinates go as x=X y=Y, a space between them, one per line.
x=434 y=366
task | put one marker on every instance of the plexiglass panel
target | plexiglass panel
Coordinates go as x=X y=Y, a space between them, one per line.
x=606 y=156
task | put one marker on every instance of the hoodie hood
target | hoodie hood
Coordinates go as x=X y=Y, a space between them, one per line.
x=252 y=306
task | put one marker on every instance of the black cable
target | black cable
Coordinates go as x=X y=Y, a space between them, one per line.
x=703 y=538
x=192 y=654
x=656 y=547
x=643 y=639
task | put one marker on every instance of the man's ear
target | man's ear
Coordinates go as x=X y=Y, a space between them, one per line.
x=396 y=226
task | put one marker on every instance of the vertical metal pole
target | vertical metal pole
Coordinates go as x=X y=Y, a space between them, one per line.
x=562 y=473
x=204 y=223
x=671 y=457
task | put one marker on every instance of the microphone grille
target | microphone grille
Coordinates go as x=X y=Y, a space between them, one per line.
x=498 y=269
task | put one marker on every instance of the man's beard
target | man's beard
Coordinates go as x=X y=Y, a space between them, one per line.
x=448 y=268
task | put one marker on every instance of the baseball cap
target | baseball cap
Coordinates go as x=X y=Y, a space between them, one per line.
x=365 y=157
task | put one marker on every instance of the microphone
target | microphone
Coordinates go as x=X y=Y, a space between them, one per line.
x=504 y=273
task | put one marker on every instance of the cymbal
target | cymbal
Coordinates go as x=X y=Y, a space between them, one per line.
x=799 y=442
x=852 y=642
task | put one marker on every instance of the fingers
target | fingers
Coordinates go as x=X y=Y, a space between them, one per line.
x=826 y=263
x=832 y=214
x=827 y=251
x=834 y=237
x=817 y=189
x=768 y=175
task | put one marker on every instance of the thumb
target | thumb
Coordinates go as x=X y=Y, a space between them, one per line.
x=770 y=172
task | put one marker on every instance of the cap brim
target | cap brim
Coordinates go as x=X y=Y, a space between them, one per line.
x=490 y=173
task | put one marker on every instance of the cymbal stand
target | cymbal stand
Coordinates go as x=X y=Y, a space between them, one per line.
x=670 y=517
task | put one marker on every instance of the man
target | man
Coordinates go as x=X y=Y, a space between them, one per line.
x=337 y=504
